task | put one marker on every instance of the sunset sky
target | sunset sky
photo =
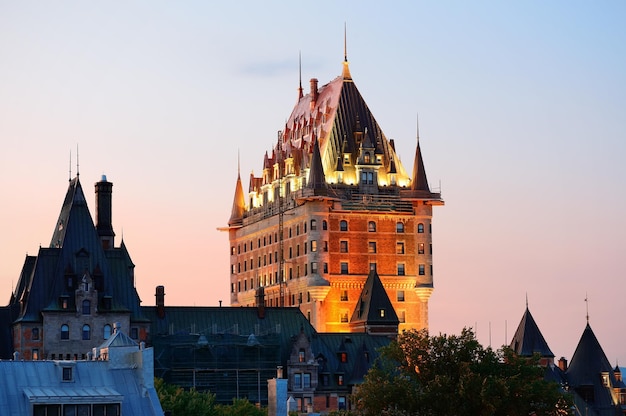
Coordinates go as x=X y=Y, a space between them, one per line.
x=522 y=119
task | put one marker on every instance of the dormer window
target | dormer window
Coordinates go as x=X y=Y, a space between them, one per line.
x=366 y=157
x=343 y=357
x=381 y=312
x=301 y=355
x=67 y=374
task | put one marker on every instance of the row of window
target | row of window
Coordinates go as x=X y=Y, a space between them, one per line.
x=343 y=226
x=268 y=238
x=110 y=409
x=86 y=332
x=269 y=279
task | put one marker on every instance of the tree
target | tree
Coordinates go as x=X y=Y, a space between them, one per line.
x=454 y=375
x=181 y=402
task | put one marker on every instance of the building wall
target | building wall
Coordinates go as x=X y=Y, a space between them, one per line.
x=312 y=250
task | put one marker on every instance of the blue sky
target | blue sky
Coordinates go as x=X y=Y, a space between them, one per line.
x=521 y=109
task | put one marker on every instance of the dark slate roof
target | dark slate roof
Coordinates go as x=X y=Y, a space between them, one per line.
x=224 y=338
x=317 y=181
x=372 y=300
x=585 y=368
x=528 y=339
x=42 y=280
x=419 y=180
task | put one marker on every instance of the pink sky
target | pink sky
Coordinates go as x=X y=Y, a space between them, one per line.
x=522 y=123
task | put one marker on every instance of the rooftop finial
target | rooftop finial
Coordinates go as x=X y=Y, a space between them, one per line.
x=238 y=164
x=587 y=307
x=300 y=93
x=526 y=300
x=417 y=126
x=346 y=69
x=70 y=179
x=77 y=162
x=345 y=42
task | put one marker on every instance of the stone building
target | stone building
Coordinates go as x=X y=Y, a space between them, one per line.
x=333 y=203
x=69 y=295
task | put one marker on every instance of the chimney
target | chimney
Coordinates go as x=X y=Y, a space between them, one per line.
x=160 y=301
x=260 y=302
x=104 y=191
x=314 y=93
x=563 y=364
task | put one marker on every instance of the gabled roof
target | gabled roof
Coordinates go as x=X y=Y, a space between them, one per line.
x=374 y=306
x=528 y=339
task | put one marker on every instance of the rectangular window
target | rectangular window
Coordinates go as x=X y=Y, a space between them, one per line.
x=313 y=246
x=313 y=267
x=325 y=267
x=402 y=316
x=35 y=354
x=344 y=296
x=422 y=270
x=297 y=381
x=325 y=246
x=420 y=248
x=343 y=246
x=400 y=269
x=67 y=373
x=344 y=267
x=400 y=247
x=313 y=225
x=134 y=333
x=371 y=247
x=306 y=380
x=400 y=295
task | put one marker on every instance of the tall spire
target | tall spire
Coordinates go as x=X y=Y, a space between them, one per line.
x=346 y=70
x=239 y=201
x=300 y=93
x=419 y=181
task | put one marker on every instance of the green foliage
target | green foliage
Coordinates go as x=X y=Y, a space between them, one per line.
x=454 y=375
x=183 y=402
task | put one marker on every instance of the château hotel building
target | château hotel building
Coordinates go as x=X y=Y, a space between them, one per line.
x=332 y=204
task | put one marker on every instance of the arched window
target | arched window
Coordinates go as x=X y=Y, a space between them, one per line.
x=65 y=331
x=86 y=307
x=399 y=227
x=106 y=331
x=313 y=225
x=324 y=225
x=301 y=355
x=86 y=332
x=366 y=157
x=343 y=225
x=420 y=228
x=371 y=227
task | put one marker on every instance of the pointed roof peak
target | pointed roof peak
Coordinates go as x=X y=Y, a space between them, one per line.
x=528 y=339
x=345 y=74
x=374 y=308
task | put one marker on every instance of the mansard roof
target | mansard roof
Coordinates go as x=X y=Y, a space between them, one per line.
x=374 y=306
x=528 y=339
x=42 y=280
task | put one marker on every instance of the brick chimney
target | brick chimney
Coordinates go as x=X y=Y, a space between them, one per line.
x=104 y=192
x=563 y=364
x=160 y=301
x=314 y=92
x=260 y=302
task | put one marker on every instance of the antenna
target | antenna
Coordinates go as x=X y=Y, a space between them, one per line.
x=587 y=306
